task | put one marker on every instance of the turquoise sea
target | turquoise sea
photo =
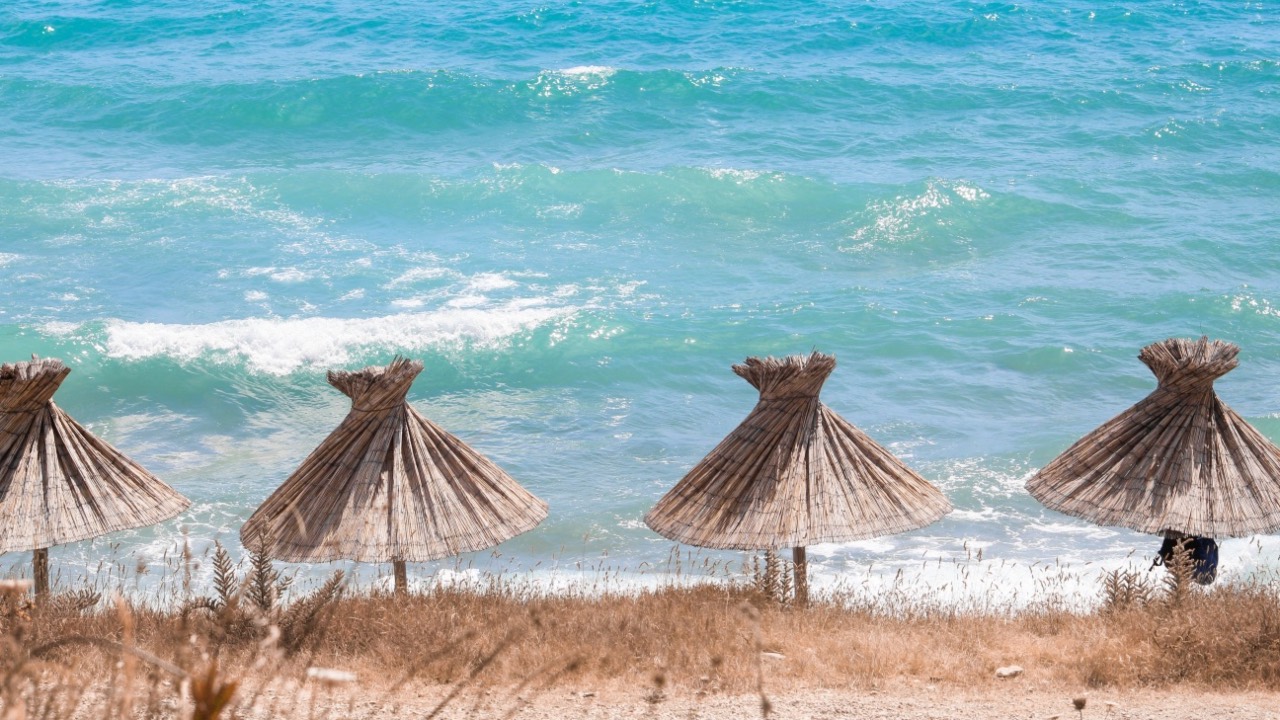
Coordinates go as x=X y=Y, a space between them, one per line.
x=580 y=214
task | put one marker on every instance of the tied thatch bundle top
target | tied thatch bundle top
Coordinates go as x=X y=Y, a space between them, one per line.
x=1179 y=460
x=794 y=473
x=59 y=483
x=389 y=485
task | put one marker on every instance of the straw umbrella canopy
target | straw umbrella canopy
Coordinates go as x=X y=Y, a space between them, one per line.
x=1179 y=460
x=389 y=486
x=59 y=483
x=794 y=473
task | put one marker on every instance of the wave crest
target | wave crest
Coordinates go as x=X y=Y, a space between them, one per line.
x=282 y=346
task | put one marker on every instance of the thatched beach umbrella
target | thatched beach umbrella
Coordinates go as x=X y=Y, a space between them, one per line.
x=793 y=474
x=389 y=486
x=1180 y=460
x=59 y=483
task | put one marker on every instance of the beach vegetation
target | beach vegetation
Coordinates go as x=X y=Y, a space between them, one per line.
x=494 y=642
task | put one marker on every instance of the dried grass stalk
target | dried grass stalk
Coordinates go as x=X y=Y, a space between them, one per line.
x=794 y=473
x=1178 y=460
x=59 y=483
x=389 y=485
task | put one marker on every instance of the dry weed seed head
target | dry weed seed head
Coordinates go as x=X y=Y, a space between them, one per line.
x=210 y=693
x=15 y=606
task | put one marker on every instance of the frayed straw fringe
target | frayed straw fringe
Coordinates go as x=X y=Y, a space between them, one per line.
x=1178 y=460
x=389 y=485
x=59 y=483
x=794 y=473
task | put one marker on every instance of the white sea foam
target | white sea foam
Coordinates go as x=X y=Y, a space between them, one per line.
x=60 y=328
x=1061 y=528
x=981 y=515
x=587 y=70
x=8 y=258
x=281 y=346
x=114 y=202
x=485 y=282
x=561 y=211
x=1247 y=302
x=419 y=273
x=467 y=301
x=736 y=175
x=900 y=219
x=290 y=275
x=874 y=545
x=280 y=275
x=571 y=81
x=706 y=79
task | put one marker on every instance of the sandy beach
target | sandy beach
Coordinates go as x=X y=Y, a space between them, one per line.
x=903 y=700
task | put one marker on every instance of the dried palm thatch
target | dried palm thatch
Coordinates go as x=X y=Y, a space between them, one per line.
x=59 y=483
x=389 y=486
x=794 y=473
x=1179 y=460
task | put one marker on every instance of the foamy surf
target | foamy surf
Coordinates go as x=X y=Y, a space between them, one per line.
x=282 y=346
x=953 y=583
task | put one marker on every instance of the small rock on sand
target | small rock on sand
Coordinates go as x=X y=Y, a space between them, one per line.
x=1009 y=671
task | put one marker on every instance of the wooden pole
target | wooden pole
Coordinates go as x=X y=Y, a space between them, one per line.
x=40 y=571
x=402 y=577
x=802 y=576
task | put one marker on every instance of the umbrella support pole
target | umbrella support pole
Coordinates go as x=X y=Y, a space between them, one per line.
x=402 y=576
x=40 y=571
x=801 y=566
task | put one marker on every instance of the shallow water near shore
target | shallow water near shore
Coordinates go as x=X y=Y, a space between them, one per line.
x=579 y=216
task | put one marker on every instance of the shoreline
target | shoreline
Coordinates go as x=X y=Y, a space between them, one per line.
x=964 y=582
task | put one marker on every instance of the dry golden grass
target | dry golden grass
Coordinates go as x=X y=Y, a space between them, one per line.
x=705 y=638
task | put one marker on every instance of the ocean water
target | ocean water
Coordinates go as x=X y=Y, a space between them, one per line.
x=579 y=215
